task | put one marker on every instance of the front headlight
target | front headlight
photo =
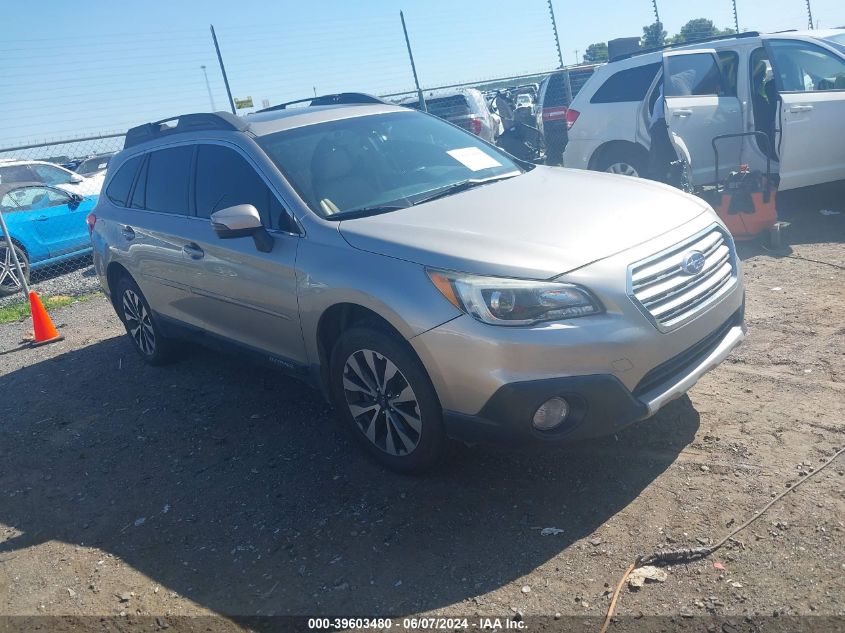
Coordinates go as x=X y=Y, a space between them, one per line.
x=501 y=301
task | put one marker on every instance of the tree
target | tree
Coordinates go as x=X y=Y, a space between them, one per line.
x=698 y=29
x=653 y=35
x=596 y=53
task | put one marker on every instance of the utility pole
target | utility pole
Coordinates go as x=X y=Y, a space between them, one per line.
x=208 y=86
x=576 y=57
x=736 y=17
x=566 y=83
x=810 y=14
x=223 y=70
x=420 y=96
x=656 y=14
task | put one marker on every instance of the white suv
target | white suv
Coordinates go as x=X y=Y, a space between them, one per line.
x=789 y=85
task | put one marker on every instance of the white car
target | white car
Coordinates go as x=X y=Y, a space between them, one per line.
x=15 y=170
x=791 y=86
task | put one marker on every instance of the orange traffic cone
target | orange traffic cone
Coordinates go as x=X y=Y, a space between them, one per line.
x=42 y=327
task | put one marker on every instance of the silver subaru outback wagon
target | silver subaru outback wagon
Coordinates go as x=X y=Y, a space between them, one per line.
x=428 y=283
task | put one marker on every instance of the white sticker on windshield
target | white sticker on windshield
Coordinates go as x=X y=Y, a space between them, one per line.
x=473 y=158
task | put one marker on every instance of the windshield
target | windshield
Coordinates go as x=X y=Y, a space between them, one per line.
x=381 y=162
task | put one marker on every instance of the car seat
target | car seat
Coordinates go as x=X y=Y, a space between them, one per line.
x=335 y=179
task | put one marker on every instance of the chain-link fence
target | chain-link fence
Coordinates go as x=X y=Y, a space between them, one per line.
x=489 y=73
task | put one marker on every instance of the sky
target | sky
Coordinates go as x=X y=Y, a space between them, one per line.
x=79 y=68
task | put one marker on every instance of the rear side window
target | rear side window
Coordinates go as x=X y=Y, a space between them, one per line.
x=118 y=190
x=555 y=92
x=693 y=75
x=627 y=85
x=16 y=173
x=168 y=179
x=225 y=178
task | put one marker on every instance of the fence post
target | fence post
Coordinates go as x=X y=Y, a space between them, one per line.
x=810 y=14
x=736 y=17
x=12 y=256
x=566 y=83
x=223 y=70
x=413 y=66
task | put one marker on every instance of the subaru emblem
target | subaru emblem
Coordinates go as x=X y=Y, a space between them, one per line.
x=693 y=262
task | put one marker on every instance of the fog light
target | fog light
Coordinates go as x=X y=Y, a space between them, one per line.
x=551 y=414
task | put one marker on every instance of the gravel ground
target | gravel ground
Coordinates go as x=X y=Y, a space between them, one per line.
x=71 y=278
x=216 y=487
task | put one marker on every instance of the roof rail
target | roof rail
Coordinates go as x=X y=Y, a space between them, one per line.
x=715 y=38
x=184 y=123
x=340 y=98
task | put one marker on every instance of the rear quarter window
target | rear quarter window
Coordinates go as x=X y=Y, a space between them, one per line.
x=627 y=85
x=118 y=189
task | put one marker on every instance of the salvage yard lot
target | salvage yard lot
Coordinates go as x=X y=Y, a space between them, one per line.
x=214 y=486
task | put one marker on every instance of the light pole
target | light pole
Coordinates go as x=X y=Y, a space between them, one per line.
x=656 y=14
x=576 y=57
x=736 y=17
x=208 y=86
x=810 y=15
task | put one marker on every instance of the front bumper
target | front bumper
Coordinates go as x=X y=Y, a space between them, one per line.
x=600 y=404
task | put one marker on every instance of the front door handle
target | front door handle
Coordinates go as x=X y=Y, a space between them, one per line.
x=682 y=113
x=800 y=108
x=128 y=233
x=193 y=251
x=41 y=218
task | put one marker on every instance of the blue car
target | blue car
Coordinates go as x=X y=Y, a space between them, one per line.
x=47 y=226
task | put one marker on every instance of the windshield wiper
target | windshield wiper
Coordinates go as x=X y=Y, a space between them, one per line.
x=462 y=185
x=364 y=212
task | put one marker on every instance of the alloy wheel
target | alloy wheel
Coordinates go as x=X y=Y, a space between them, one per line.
x=622 y=169
x=138 y=322
x=382 y=402
x=8 y=272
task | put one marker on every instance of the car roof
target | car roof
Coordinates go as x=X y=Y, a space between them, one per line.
x=10 y=186
x=262 y=123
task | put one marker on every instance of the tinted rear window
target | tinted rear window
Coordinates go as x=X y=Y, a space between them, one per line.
x=446 y=107
x=118 y=190
x=168 y=179
x=627 y=85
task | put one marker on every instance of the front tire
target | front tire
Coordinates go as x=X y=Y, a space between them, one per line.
x=138 y=319
x=9 y=278
x=382 y=393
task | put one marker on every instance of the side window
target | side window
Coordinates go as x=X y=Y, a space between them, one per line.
x=626 y=85
x=696 y=74
x=729 y=66
x=804 y=67
x=168 y=179
x=8 y=203
x=118 y=189
x=555 y=92
x=225 y=178
x=139 y=194
x=34 y=198
x=50 y=175
x=16 y=173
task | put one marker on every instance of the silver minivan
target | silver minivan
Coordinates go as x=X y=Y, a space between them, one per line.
x=430 y=285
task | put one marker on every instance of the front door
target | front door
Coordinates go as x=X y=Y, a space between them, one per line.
x=240 y=293
x=810 y=81
x=699 y=107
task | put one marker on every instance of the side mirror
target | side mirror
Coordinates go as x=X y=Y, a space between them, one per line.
x=75 y=199
x=76 y=179
x=242 y=220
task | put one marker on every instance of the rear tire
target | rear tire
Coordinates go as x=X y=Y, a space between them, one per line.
x=140 y=323
x=383 y=395
x=9 y=282
x=624 y=162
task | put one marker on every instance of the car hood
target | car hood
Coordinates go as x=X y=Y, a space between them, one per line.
x=538 y=225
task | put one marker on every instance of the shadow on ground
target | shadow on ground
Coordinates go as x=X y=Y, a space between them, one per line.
x=254 y=502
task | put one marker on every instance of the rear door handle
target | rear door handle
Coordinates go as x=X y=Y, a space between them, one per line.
x=800 y=108
x=193 y=251
x=682 y=113
x=128 y=232
x=41 y=218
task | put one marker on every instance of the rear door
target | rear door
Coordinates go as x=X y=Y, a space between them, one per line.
x=810 y=81
x=60 y=220
x=699 y=106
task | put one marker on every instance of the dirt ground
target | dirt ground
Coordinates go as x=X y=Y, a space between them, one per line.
x=216 y=487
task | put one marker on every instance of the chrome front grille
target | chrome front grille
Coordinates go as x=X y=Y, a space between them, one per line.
x=672 y=296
